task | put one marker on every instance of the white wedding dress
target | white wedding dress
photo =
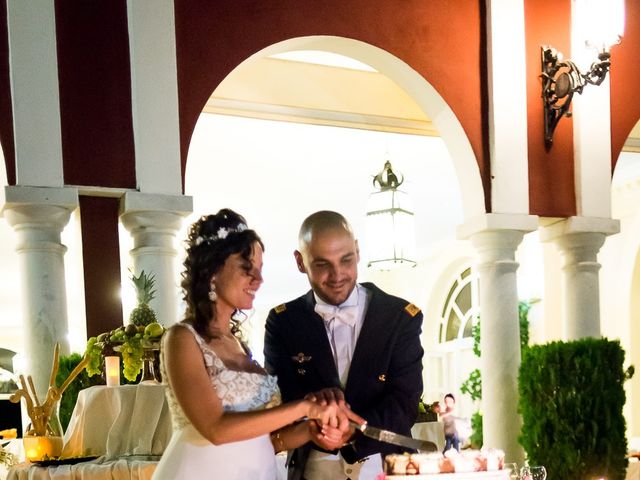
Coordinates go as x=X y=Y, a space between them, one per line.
x=190 y=456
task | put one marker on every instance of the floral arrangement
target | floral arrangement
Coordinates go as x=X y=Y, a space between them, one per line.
x=7 y=458
x=427 y=412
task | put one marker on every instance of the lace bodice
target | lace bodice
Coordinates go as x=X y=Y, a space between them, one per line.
x=238 y=391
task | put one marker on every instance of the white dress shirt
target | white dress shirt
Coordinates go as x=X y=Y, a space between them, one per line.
x=343 y=324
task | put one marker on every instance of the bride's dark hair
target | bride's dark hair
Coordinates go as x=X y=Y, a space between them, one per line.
x=210 y=241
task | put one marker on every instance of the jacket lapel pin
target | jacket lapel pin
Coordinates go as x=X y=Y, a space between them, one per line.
x=301 y=358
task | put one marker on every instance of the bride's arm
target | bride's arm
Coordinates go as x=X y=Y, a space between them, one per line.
x=291 y=436
x=297 y=434
x=192 y=387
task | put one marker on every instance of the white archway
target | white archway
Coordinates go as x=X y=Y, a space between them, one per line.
x=427 y=98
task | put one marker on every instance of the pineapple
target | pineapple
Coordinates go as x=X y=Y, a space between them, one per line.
x=143 y=315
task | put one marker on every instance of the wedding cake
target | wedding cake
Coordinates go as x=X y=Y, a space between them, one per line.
x=428 y=465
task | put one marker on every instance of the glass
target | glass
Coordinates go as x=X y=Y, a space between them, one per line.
x=148 y=368
x=513 y=470
x=533 y=473
x=39 y=446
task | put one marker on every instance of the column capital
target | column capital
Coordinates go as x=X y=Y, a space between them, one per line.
x=151 y=210
x=26 y=195
x=38 y=205
x=496 y=222
x=579 y=225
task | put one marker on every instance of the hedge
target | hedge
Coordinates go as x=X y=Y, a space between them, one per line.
x=571 y=399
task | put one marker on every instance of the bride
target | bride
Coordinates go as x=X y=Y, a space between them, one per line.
x=227 y=421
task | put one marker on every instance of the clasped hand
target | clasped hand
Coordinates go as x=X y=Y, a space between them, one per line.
x=333 y=424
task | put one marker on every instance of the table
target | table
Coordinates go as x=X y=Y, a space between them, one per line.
x=100 y=469
x=497 y=475
x=432 y=431
x=633 y=470
x=128 y=427
x=118 y=421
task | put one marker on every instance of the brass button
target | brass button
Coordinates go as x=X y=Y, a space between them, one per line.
x=382 y=377
x=349 y=470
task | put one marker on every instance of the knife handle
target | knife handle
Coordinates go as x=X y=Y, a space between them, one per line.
x=357 y=425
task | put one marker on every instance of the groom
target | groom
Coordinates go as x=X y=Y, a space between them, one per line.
x=345 y=341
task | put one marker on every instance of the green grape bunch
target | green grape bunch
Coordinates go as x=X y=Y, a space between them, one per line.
x=94 y=354
x=132 y=352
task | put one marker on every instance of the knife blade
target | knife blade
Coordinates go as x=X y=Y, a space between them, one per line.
x=388 y=436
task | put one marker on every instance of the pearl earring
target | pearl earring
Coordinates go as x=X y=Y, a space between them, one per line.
x=213 y=296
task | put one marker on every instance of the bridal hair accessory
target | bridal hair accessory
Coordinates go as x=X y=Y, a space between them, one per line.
x=221 y=234
x=213 y=296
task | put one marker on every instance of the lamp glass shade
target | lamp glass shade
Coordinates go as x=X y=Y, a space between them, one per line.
x=599 y=23
x=390 y=230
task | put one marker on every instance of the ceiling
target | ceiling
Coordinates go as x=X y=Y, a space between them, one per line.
x=326 y=89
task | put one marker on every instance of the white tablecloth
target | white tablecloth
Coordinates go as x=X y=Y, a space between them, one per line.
x=119 y=421
x=432 y=431
x=101 y=469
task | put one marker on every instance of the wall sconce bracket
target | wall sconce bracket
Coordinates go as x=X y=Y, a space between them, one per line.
x=560 y=80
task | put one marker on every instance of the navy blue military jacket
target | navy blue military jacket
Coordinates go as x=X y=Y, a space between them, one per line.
x=385 y=376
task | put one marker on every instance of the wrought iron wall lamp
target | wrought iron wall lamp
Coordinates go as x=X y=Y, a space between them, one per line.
x=599 y=23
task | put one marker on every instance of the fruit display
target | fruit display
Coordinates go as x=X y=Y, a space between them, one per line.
x=142 y=333
x=131 y=341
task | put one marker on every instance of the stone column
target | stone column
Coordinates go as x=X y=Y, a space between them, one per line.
x=496 y=238
x=38 y=215
x=154 y=95
x=579 y=240
x=33 y=70
x=153 y=221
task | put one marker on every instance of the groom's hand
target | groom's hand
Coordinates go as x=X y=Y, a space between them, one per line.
x=327 y=396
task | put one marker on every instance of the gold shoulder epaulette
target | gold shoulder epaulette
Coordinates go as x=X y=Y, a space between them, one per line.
x=412 y=310
x=280 y=308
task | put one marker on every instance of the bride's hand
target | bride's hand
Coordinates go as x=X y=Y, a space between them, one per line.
x=326 y=437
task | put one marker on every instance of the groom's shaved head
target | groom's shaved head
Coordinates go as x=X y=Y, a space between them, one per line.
x=320 y=222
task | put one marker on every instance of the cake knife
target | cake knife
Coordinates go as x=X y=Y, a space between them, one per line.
x=388 y=436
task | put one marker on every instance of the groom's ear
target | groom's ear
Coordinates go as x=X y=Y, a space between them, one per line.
x=299 y=261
